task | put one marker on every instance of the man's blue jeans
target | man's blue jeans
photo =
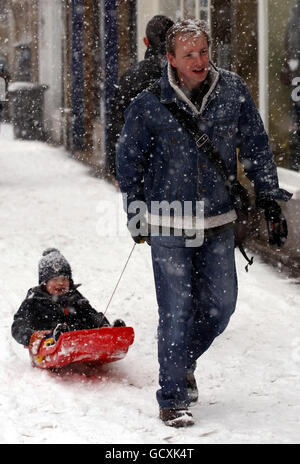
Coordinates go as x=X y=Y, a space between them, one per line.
x=196 y=291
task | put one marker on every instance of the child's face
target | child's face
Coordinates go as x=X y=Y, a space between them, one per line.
x=58 y=286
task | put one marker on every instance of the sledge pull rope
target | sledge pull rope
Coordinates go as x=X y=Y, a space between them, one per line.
x=117 y=284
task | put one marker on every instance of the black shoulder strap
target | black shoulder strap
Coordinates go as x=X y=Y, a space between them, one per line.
x=155 y=89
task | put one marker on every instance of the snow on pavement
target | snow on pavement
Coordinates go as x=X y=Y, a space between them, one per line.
x=249 y=380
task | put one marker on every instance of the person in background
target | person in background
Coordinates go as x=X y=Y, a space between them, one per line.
x=137 y=78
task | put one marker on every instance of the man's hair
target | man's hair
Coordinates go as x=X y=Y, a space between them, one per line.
x=186 y=27
x=157 y=29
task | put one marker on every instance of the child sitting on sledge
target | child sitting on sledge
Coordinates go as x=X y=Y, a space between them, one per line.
x=55 y=306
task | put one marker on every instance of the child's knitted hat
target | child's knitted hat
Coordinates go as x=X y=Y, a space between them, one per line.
x=53 y=264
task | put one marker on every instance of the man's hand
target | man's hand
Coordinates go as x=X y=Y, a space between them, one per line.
x=136 y=227
x=141 y=239
x=276 y=222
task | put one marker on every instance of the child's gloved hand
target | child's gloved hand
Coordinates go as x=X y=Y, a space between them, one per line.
x=60 y=329
x=119 y=323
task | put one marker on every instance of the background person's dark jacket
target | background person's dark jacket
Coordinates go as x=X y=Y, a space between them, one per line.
x=41 y=311
x=137 y=78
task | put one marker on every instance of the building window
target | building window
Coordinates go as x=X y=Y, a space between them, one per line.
x=177 y=9
x=199 y=9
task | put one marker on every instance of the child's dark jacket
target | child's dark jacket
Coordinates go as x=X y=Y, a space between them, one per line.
x=41 y=311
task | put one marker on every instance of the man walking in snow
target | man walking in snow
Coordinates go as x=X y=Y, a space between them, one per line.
x=137 y=78
x=158 y=161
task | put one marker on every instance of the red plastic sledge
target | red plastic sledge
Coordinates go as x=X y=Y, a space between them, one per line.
x=103 y=345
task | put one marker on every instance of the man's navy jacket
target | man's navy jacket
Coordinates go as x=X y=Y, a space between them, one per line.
x=157 y=160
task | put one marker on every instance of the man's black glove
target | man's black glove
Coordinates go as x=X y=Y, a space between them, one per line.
x=276 y=222
x=135 y=227
x=142 y=239
x=119 y=323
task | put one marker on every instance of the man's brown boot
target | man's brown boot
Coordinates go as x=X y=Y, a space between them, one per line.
x=176 y=417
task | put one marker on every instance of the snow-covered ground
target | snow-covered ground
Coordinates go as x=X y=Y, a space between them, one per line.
x=249 y=380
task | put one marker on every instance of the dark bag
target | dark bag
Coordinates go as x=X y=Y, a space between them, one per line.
x=238 y=193
x=241 y=203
